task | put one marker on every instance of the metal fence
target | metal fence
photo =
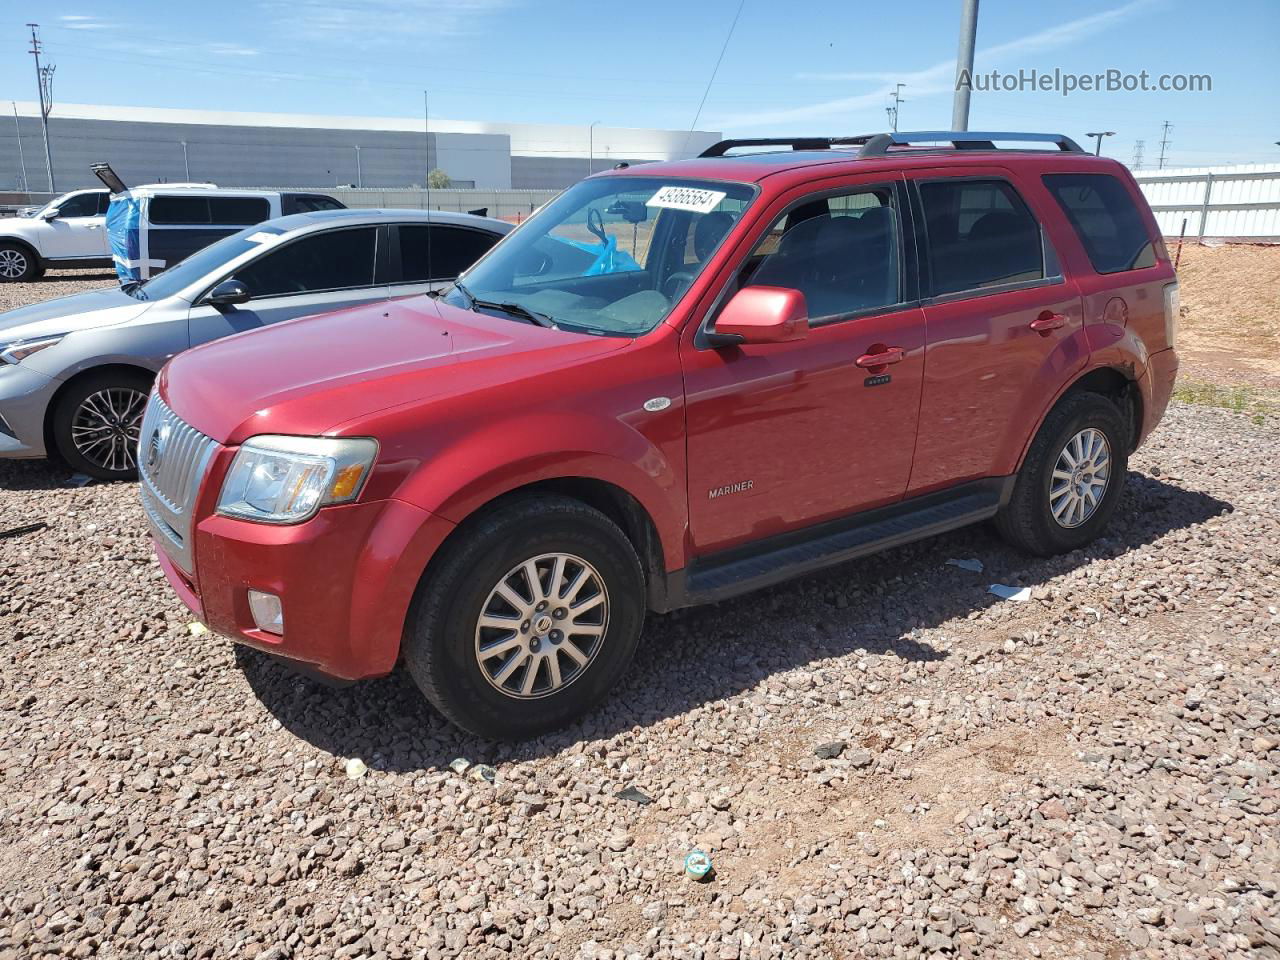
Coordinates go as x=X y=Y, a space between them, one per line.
x=1233 y=202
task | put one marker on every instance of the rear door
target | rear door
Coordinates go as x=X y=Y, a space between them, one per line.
x=315 y=273
x=1003 y=326
x=428 y=256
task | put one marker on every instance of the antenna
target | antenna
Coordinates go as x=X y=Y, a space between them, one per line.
x=44 y=82
x=426 y=145
x=1164 y=142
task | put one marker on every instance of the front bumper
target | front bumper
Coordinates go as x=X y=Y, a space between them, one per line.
x=24 y=399
x=345 y=579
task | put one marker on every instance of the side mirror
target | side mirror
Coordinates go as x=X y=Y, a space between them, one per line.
x=51 y=214
x=227 y=293
x=762 y=315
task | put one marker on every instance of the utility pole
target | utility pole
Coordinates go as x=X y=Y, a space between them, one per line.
x=1164 y=142
x=1137 y=154
x=1097 y=149
x=591 y=148
x=44 y=81
x=964 y=65
x=22 y=160
x=893 y=110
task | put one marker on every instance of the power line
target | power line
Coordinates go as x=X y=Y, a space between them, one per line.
x=1164 y=142
x=712 y=79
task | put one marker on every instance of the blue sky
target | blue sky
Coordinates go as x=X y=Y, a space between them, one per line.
x=820 y=67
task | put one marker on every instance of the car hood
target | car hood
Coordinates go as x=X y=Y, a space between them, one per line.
x=80 y=311
x=310 y=375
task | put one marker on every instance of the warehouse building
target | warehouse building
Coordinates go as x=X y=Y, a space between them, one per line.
x=151 y=144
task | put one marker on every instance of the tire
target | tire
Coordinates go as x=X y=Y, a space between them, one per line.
x=494 y=696
x=97 y=421
x=1046 y=514
x=18 y=264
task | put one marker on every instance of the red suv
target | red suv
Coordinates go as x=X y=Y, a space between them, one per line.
x=675 y=383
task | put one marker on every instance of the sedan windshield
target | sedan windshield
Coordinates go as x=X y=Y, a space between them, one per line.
x=203 y=262
x=610 y=255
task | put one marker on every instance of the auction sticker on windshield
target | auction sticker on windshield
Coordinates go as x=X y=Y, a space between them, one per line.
x=686 y=198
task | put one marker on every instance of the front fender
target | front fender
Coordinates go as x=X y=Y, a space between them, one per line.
x=470 y=469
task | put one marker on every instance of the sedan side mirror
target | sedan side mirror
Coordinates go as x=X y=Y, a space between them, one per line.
x=51 y=214
x=762 y=315
x=227 y=293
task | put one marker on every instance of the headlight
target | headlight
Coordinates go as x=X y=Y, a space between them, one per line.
x=276 y=479
x=19 y=351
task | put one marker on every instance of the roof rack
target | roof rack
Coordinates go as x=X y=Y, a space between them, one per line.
x=878 y=144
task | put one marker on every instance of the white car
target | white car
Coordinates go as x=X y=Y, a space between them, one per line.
x=68 y=232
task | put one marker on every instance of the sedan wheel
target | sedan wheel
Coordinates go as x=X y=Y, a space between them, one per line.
x=106 y=427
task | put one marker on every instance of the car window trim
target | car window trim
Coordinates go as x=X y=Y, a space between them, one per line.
x=908 y=268
x=199 y=301
x=927 y=296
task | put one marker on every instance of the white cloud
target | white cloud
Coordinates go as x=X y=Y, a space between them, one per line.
x=939 y=78
x=83 y=21
x=231 y=50
x=374 y=21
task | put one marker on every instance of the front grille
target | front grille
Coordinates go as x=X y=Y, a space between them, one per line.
x=172 y=459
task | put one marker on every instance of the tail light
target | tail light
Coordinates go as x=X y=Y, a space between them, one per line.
x=1172 y=305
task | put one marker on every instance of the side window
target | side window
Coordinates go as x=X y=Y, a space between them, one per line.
x=1106 y=220
x=104 y=201
x=452 y=250
x=980 y=234
x=336 y=260
x=81 y=205
x=178 y=210
x=311 y=202
x=841 y=252
x=238 y=211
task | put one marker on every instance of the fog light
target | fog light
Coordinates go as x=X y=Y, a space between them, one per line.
x=267 y=612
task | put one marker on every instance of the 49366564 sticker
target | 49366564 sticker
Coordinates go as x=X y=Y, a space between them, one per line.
x=693 y=199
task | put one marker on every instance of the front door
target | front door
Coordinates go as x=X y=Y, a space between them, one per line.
x=79 y=232
x=781 y=436
x=1003 y=326
x=316 y=273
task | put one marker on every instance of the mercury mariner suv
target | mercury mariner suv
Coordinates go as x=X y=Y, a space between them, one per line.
x=675 y=383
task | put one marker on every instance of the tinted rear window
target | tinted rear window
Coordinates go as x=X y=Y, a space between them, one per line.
x=1105 y=218
x=224 y=211
x=452 y=249
x=980 y=234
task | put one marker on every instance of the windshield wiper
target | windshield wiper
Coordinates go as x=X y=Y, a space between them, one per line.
x=513 y=309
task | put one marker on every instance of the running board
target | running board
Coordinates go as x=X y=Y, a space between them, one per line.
x=794 y=554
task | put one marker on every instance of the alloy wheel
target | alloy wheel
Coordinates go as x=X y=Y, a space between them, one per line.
x=13 y=263
x=1080 y=478
x=106 y=427
x=542 y=625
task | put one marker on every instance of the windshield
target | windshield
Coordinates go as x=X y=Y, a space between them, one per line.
x=611 y=255
x=202 y=262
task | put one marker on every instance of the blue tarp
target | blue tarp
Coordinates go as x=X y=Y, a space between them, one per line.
x=124 y=222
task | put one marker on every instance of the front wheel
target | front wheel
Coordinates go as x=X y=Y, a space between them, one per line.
x=97 y=422
x=18 y=264
x=1071 y=480
x=527 y=619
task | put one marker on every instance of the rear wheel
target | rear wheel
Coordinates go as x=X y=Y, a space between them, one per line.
x=1071 y=480
x=527 y=619
x=97 y=422
x=17 y=264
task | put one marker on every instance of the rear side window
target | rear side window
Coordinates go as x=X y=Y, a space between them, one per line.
x=311 y=202
x=1106 y=220
x=980 y=234
x=223 y=211
x=451 y=250
x=336 y=260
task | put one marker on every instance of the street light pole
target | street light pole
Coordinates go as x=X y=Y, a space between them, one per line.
x=1097 y=149
x=964 y=65
x=186 y=166
x=359 y=169
x=22 y=159
x=591 y=148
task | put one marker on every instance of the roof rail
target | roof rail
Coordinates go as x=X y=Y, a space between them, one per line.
x=795 y=143
x=879 y=145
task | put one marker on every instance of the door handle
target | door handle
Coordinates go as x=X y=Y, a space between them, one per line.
x=1047 y=321
x=883 y=358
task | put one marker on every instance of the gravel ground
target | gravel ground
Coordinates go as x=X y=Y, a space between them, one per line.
x=56 y=283
x=882 y=761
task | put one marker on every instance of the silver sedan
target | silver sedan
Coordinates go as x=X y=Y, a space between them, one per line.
x=75 y=372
